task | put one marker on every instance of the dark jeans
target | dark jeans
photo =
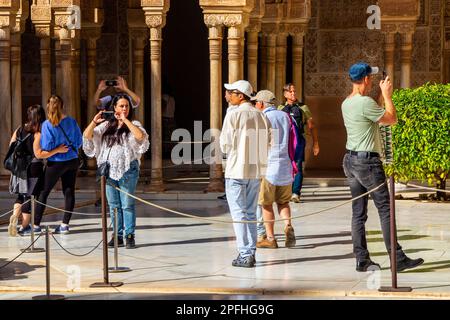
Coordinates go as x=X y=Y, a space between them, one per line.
x=67 y=171
x=365 y=174
x=298 y=179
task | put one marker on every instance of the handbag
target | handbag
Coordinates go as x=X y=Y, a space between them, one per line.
x=17 y=158
x=103 y=169
x=80 y=157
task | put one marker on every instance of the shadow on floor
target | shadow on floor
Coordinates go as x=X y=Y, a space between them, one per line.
x=298 y=260
x=431 y=267
x=192 y=241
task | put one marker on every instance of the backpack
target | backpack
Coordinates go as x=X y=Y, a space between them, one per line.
x=18 y=158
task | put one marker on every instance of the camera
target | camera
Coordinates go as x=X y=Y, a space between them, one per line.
x=111 y=83
x=384 y=75
x=108 y=115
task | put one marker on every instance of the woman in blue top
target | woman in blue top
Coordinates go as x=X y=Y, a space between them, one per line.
x=59 y=129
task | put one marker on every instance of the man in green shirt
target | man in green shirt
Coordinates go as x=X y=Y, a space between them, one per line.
x=362 y=164
x=303 y=118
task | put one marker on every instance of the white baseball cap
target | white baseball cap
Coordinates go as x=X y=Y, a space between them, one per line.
x=242 y=86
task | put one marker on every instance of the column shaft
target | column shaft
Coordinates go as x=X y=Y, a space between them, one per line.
x=263 y=75
x=280 y=78
x=16 y=80
x=389 y=52
x=215 y=58
x=76 y=78
x=46 y=71
x=66 y=78
x=5 y=93
x=156 y=134
x=235 y=54
x=271 y=58
x=406 y=58
x=138 y=81
x=252 y=56
x=297 y=63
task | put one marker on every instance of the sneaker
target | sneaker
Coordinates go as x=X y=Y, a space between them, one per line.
x=295 y=198
x=119 y=242
x=24 y=231
x=224 y=197
x=364 y=265
x=407 y=263
x=244 y=262
x=267 y=244
x=130 y=244
x=61 y=229
x=290 y=236
x=12 y=227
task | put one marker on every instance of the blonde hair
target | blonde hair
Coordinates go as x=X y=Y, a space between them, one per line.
x=55 y=109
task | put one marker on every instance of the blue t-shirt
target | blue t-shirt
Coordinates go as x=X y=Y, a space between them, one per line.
x=52 y=137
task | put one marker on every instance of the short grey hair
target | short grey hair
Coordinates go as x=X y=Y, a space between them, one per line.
x=268 y=104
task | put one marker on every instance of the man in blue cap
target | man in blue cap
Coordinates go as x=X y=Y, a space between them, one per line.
x=362 y=164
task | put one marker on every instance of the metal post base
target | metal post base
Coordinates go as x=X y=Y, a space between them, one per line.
x=392 y=289
x=33 y=250
x=118 y=269
x=49 y=297
x=106 y=285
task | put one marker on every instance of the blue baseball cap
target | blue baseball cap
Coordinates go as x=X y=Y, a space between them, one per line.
x=360 y=70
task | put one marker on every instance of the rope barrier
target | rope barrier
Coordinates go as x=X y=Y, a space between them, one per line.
x=72 y=212
x=6 y=213
x=243 y=222
x=75 y=254
x=3 y=266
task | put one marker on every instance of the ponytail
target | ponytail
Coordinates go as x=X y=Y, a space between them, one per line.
x=54 y=109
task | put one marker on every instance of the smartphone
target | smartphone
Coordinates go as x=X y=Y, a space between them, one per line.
x=108 y=115
x=384 y=75
x=111 y=83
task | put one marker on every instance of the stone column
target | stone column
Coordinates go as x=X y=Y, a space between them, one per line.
x=156 y=23
x=58 y=68
x=235 y=53
x=280 y=76
x=252 y=57
x=5 y=88
x=271 y=59
x=16 y=81
x=76 y=79
x=297 y=63
x=263 y=74
x=46 y=71
x=215 y=59
x=406 y=59
x=66 y=75
x=138 y=75
x=389 y=54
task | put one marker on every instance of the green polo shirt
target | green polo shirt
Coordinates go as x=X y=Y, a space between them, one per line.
x=361 y=115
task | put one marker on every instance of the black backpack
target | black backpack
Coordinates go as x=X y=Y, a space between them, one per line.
x=18 y=157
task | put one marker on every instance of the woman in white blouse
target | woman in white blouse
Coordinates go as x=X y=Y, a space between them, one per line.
x=120 y=142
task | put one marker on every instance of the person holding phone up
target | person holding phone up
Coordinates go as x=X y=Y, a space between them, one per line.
x=124 y=140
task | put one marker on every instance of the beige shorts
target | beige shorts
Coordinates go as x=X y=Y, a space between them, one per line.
x=268 y=193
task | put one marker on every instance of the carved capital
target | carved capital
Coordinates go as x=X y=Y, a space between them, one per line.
x=254 y=25
x=226 y=19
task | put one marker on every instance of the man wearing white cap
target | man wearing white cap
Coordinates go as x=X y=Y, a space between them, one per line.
x=276 y=186
x=362 y=164
x=245 y=138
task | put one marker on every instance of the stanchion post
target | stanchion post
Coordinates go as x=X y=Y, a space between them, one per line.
x=394 y=287
x=32 y=249
x=116 y=267
x=48 y=296
x=105 y=282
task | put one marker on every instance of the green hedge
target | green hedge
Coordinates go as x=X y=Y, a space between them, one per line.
x=421 y=139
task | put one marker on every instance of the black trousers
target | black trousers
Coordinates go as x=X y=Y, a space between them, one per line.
x=67 y=171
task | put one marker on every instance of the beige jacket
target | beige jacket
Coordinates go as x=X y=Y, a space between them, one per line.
x=245 y=139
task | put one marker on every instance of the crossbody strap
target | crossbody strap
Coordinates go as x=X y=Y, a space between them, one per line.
x=67 y=138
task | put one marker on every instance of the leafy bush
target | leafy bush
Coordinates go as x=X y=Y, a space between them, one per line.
x=421 y=138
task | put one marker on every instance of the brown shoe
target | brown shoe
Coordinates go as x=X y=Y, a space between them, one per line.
x=267 y=244
x=290 y=236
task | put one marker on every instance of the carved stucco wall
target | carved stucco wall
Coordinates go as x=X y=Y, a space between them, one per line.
x=338 y=36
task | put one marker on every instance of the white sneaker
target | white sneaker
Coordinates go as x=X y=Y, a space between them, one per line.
x=295 y=198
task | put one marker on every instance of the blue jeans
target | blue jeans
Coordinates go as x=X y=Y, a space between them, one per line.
x=364 y=174
x=298 y=179
x=126 y=214
x=242 y=197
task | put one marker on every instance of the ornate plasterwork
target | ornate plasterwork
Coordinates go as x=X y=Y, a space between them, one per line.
x=229 y=20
